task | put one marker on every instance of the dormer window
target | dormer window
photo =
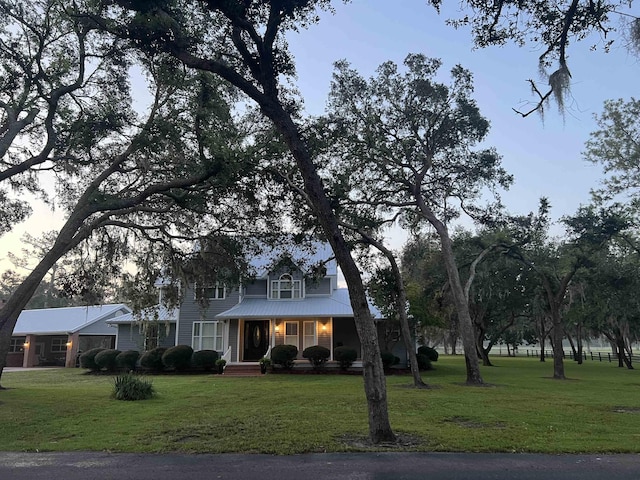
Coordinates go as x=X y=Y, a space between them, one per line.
x=286 y=288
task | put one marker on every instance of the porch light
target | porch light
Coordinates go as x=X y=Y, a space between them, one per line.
x=25 y=344
x=277 y=328
x=68 y=344
x=324 y=327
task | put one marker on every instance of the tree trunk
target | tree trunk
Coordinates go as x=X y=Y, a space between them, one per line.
x=14 y=305
x=374 y=379
x=543 y=336
x=460 y=300
x=558 y=334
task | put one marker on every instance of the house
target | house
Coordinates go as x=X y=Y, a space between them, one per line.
x=292 y=297
x=55 y=336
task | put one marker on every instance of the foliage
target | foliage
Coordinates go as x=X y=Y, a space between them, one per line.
x=178 y=357
x=345 y=356
x=266 y=361
x=131 y=387
x=204 y=359
x=429 y=352
x=106 y=359
x=87 y=359
x=424 y=363
x=284 y=355
x=127 y=360
x=152 y=360
x=389 y=359
x=317 y=355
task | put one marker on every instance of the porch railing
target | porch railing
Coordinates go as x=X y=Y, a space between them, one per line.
x=227 y=356
x=268 y=352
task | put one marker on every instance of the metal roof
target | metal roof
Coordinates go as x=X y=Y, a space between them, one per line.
x=304 y=257
x=335 y=305
x=157 y=312
x=61 y=321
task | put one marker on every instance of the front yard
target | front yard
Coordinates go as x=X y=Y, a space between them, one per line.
x=524 y=410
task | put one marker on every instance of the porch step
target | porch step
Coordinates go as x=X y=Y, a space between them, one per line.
x=242 y=370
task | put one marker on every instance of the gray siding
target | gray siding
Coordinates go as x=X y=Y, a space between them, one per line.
x=322 y=287
x=98 y=328
x=191 y=311
x=130 y=338
x=256 y=288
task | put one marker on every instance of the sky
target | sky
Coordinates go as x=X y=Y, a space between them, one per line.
x=545 y=157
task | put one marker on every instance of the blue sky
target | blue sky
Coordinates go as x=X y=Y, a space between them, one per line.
x=545 y=157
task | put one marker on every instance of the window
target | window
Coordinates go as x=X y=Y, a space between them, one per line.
x=17 y=344
x=211 y=292
x=58 y=345
x=207 y=336
x=291 y=333
x=286 y=288
x=309 y=332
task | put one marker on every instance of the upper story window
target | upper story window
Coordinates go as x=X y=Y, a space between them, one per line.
x=211 y=292
x=286 y=288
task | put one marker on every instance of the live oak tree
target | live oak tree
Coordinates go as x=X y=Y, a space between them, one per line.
x=407 y=143
x=244 y=44
x=180 y=166
x=554 y=28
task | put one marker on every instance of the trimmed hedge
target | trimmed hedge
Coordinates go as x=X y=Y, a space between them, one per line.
x=127 y=360
x=389 y=359
x=152 y=360
x=284 y=355
x=87 y=359
x=317 y=355
x=178 y=357
x=423 y=362
x=430 y=353
x=204 y=359
x=345 y=356
x=106 y=359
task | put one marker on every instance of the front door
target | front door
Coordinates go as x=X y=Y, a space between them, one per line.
x=256 y=339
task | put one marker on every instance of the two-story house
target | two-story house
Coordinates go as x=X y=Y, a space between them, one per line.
x=292 y=298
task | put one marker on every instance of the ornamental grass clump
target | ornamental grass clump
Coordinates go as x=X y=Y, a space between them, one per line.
x=131 y=387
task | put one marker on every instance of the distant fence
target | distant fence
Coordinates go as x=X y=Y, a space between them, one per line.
x=595 y=356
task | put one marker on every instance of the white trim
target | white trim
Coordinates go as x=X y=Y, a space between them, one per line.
x=219 y=333
x=284 y=339
x=297 y=286
x=304 y=334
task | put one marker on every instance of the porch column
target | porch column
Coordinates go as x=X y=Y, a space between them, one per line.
x=29 y=358
x=73 y=342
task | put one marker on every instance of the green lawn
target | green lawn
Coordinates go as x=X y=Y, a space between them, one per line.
x=524 y=410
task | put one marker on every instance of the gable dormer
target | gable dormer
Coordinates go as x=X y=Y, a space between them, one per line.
x=286 y=282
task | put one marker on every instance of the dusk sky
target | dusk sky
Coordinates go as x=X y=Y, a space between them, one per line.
x=544 y=156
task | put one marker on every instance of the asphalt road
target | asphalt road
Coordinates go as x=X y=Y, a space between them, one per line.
x=356 y=466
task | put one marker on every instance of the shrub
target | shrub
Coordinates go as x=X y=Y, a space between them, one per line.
x=284 y=355
x=131 y=387
x=220 y=364
x=106 y=359
x=178 y=357
x=152 y=359
x=127 y=360
x=87 y=359
x=389 y=359
x=423 y=362
x=317 y=355
x=430 y=353
x=345 y=356
x=204 y=359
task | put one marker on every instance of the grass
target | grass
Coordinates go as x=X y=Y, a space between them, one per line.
x=597 y=410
